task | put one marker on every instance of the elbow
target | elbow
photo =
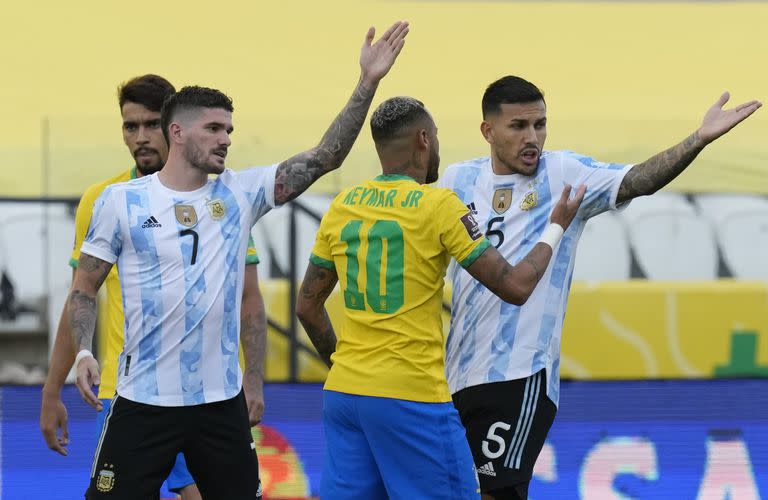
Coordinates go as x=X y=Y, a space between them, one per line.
x=304 y=310
x=517 y=295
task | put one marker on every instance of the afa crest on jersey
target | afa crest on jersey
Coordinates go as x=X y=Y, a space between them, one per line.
x=502 y=200
x=186 y=215
x=530 y=200
x=217 y=209
x=106 y=480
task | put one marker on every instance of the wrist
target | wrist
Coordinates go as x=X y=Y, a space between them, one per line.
x=52 y=391
x=368 y=82
x=552 y=235
x=84 y=353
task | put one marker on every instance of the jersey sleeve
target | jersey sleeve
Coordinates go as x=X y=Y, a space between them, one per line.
x=321 y=252
x=104 y=239
x=602 y=181
x=458 y=229
x=251 y=257
x=82 y=220
x=258 y=184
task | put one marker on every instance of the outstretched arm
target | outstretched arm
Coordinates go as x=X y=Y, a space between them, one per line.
x=659 y=170
x=317 y=286
x=297 y=173
x=514 y=284
x=81 y=305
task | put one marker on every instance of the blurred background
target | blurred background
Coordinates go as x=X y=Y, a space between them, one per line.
x=665 y=350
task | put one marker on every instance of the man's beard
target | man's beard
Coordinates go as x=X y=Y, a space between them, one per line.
x=198 y=159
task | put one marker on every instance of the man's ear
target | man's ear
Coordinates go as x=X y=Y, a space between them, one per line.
x=175 y=132
x=487 y=130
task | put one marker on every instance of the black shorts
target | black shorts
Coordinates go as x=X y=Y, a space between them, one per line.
x=507 y=424
x=139 y=443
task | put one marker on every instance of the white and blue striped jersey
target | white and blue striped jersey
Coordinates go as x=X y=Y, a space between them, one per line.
x=491 y=340
x=181 y=261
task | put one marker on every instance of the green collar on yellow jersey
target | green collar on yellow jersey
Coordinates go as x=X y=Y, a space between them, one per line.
x=133 y=173
x=393 y=177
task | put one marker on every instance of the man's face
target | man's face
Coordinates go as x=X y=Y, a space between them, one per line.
x=434 y=156
x=517 y=135
x=144 y=137
x=207 y=139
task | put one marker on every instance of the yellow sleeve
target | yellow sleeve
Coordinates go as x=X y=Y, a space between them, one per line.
x=251 y=257
x=459 y=232
x=321 y=252
x=83 y=220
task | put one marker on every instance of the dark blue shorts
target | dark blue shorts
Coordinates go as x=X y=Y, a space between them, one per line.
x=380 y=448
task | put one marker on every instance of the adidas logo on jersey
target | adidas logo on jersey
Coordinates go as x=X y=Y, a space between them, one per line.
x=487 y=469
x=151 y=222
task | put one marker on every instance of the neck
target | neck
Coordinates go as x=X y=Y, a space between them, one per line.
x=403 y=166
x=180 y=175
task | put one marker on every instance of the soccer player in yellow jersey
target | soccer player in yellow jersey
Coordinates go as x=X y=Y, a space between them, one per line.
x=390 y=426
x=140 y=100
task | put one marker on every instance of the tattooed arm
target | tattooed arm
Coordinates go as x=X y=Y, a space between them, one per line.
x=659 y=170
x=81 y=305
x=253 y=338
x=310 y=308
x=514 y=284
x=297 y=173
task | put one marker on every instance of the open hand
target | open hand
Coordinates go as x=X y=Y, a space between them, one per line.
x=566 y=208
x=719 y=121
x=53 y=423
x=87 y=376
x=376 y=59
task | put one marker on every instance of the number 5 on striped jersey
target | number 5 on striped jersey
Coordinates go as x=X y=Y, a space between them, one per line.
x=393 y=297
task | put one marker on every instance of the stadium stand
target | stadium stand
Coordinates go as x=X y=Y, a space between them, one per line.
x=740 y=224
x=603 y=252
x=670 y=240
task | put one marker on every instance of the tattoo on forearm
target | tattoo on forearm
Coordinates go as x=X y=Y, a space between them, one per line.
x=323 y=338
x=253 y=337
x=82 y=318
x=659 y=170
x=317 y=286
x=530 y=259
x=296 y=174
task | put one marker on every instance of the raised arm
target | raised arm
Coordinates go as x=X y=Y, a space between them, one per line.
x=297 y=173
x=81 y=307
x=310 y=308
x=515 y=284
x=659 y=170
x=253 y=338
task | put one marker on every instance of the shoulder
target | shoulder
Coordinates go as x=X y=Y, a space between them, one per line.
x=471 y=165
x=437 y=195
x=92 y=193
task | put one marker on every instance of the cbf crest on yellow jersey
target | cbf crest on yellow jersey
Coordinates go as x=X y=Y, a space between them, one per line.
x=390 y=241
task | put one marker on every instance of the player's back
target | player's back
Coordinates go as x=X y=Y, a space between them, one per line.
x=390 y=240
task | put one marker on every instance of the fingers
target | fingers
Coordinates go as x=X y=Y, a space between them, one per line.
x=723 y=99
x=85 y=380
x=369 y=37
x=390 y=30
x=566 y=194
x=580 y=192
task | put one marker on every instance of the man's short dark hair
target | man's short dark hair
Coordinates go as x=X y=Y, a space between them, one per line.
x=190 y=98
x=509 y=90
x=148 y=90
x=395 y=114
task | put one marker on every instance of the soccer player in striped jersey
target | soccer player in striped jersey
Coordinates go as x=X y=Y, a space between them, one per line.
x=180 y=240
x=390 y=426
x=140 y=100
x=503 y=360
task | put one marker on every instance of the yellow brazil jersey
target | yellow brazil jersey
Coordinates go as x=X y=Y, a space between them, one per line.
x=111 y=327
x=390 y=241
